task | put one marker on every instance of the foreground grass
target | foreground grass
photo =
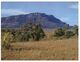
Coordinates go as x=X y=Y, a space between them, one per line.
x=65 y=49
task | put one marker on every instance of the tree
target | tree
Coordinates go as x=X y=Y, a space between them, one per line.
x=66 y=27
x=33 y=31
x=75 y=28
x=59 y=32
x=69 y=34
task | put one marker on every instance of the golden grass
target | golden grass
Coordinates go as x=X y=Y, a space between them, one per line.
x=47 y=49
x=65 y=49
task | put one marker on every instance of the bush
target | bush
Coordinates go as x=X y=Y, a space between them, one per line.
x=39 y=33
x=76 y=31
x=69 y=34
x=6 y=40
x=6 y=45
x=33 y=31
x=75 y=28
x=29 y=31
x=59 y=32
x=25 y=36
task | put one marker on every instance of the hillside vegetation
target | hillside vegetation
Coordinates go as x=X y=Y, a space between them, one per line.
x=33 y=42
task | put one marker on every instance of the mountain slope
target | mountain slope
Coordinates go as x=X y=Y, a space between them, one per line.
x=46 y=21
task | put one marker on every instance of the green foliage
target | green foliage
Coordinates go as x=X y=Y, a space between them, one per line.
x=6 y=40
x=29 y=31
x=64 y=32
x=66 y=27
x=75 y=28
x=38 y=33
x=33 y=31
x=5 y=45
x=69 y=34
x=59 y=32
x=25 y=36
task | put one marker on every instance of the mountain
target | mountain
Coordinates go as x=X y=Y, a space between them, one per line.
x=46 y=21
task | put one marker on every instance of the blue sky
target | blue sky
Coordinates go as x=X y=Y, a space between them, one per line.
x=65 y=11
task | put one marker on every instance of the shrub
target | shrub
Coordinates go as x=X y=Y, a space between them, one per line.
x=32 y=31
x=25 y=36
x=39 y=33
x=75 y=28
x=5 y=45
x=69 y=34
x=6 y=40
x=59 y=32
x=29 y=31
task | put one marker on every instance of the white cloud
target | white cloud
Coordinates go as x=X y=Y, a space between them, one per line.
x=65 y=19
x=74 y=6
x=9 y=12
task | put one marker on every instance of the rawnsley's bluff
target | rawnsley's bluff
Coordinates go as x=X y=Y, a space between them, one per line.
x=46 y=21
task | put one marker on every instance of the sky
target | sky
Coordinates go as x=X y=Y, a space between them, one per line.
x=65 y=11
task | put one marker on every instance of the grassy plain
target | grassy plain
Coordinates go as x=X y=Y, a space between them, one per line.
x=47 y=49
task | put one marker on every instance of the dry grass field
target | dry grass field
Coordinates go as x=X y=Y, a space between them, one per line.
x=50 y=49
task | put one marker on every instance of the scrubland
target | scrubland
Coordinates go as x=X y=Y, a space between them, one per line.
x=46 y=49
